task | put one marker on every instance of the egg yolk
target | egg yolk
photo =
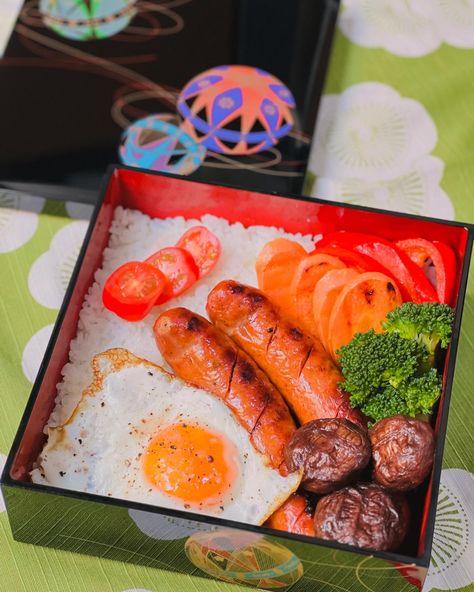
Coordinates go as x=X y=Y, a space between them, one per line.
x=191 y=463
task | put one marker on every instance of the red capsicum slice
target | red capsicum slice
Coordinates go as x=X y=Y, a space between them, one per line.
x=352 y=259
x=413 y=283
x=423 y=253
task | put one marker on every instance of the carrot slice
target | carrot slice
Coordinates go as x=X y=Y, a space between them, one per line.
x=361 y=305
x=307 y=274
x=275 y=266
x=325 y=294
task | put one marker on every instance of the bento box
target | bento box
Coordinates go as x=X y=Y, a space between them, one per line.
x=186 y=541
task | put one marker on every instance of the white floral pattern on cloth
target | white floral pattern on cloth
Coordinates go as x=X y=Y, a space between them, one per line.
x=51 y=272
x=166 y=528
x=3 y=460
x=417 y=191
x=370 y=131
x=452 y=554
x=372 y=147
x=408 y=28
x=34 y=352
x=455 y=21
x=18 y=219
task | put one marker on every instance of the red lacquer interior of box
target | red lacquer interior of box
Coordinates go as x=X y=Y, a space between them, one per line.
x=162 y=196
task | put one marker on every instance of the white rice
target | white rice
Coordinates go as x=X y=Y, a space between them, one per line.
x=135 y=236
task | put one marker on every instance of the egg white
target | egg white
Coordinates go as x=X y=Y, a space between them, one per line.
x=99 y=449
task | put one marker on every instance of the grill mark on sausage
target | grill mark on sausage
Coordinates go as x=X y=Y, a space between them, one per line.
x=296 y=334
x=305 y=360
x=272 y=336
x=268 y=400
x=194 y=324
x=237 y=289
x=231 y=375
x=303 y=511
x=247 y=372
x=254 y=297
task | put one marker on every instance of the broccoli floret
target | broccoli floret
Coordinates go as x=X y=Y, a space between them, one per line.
x=386 y=374
x=429 y=323
x=421 y=392
x=414 y=397
x=373 y=361
x=384 y=404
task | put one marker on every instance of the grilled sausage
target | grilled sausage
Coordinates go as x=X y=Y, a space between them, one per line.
x=295 y=515
x=297 y=364
x=202 y=355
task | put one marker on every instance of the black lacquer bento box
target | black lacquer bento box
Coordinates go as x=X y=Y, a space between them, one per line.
x=191 y=543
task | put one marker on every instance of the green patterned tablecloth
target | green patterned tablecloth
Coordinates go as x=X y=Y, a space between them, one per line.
x=396 y=130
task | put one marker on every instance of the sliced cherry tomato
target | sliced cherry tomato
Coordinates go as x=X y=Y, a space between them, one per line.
x=437 y=255
x=179 y=268
x=413 y=283
x=132 y=290
x=203 y=245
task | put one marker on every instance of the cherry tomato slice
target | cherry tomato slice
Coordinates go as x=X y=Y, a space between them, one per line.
x=203 y=245
x=132 y=290
x=179 y=268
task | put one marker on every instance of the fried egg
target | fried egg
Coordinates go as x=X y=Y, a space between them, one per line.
x=141 y=434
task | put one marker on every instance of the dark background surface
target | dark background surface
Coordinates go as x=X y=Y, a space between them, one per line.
x=55 y=120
